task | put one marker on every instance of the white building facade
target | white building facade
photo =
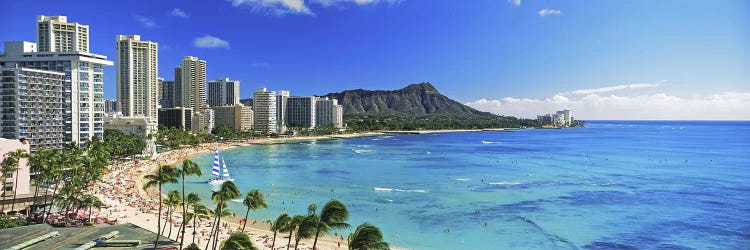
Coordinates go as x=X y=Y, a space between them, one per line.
x=137 y=77
x=264 y=111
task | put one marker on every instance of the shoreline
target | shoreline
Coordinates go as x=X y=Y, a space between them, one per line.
x=129 y=203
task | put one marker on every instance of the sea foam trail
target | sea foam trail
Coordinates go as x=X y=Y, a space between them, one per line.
x=361 y=151
x=509 y=183
x=488 y=142
x=379 y=189
x=463 y=179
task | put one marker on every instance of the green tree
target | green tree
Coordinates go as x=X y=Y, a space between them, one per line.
x=281 y=224
x=164 y=174
x=305 y=228
x=238 y=241
x=173 y=199
x=253 y=200
x=367 y=237
x=188 y=168
x=333 y=216
x=11 y=165
x=226 y=192
x=192 y=246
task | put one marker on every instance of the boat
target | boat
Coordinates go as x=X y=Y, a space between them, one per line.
x=217 y=177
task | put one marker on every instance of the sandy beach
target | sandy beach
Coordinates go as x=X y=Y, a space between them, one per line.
x=126 y=202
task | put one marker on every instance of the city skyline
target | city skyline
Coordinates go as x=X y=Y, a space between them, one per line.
x=603 y=60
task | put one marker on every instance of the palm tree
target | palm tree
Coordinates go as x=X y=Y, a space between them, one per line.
x=237 y=241
x=164 y=174
x=215 y=228
x=291 y=227
x=91 y=201
x=53 y=174
x=191 y=198
x=173 y=199
x=279 y=225
x=333 y=216
x=305 y=229
x=253 y=200
x=227 y=191
x=10 y=164
x=40 y=163
x=18 y=154
x=367 y=237
x=188 y=168
x=200 y=211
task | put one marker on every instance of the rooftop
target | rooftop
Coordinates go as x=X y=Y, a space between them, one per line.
x=73 y=237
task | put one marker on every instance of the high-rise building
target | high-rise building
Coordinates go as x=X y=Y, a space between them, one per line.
x=159 y=84
x=300 y=112
x=82 y=84
x=193 y=83
x=177 y=88
x=176 y=117
x=167 y=92
x=203 y=121
x=281 y=100
x=264 y=111
x=338 y=116
x=223 y=92
x=137 y=77
x=56 y=34
x=324 y=111
x=110 y=106
x=237 y=117
x=31 y=106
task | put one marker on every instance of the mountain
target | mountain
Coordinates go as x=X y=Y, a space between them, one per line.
x=416 y=99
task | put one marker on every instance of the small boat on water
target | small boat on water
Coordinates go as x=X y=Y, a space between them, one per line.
x=219 y=173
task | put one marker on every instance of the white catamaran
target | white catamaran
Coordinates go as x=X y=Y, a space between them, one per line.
x=217 y=177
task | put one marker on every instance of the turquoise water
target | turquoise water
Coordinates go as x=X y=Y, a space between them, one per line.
x=610 y=185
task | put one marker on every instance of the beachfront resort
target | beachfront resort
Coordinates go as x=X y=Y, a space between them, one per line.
x=71 y=160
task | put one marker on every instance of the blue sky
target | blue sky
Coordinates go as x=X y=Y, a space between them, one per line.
x=603 y=59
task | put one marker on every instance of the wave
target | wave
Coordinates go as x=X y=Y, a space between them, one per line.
x=463 y=180
x=379 y=189
x=362 y=151
x=488 y=142
x=386 y=136
x=376 y=139
x=510 y=183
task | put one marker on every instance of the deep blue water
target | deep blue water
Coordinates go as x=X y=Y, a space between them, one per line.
x=610 y=185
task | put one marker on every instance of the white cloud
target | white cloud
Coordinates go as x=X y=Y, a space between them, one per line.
x=595 y=105
x=179 y=13
x=208 y=41
x=611 y=88
x=146 y=21
x=515 y=2
x=545 y=12
x=283 y=7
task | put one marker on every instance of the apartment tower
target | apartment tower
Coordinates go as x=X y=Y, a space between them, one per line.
x=193 y=83
x=137 y=77
x=223 y=92
x=56 y=34
x=264 y=111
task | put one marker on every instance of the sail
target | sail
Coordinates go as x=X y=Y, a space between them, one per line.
x=215 y=171
x=226 y=172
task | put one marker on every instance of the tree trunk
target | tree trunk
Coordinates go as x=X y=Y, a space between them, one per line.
x=166 y=221
x=194 y=233
x=218 y=225
x=2 y=207
x=288 y=242
x=169 y=223
x=296 y=242
x=184 y=209
x=52 y=201
x=15 y=186
x=33 y=203
x=211 y=233
x=90 y=214
x=273 y=242
x=315 y=243
x=246 y=214
x=158 y=220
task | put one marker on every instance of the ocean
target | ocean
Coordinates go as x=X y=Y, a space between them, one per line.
x=608 y=185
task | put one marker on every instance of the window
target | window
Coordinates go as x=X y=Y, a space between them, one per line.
x=9 y=175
